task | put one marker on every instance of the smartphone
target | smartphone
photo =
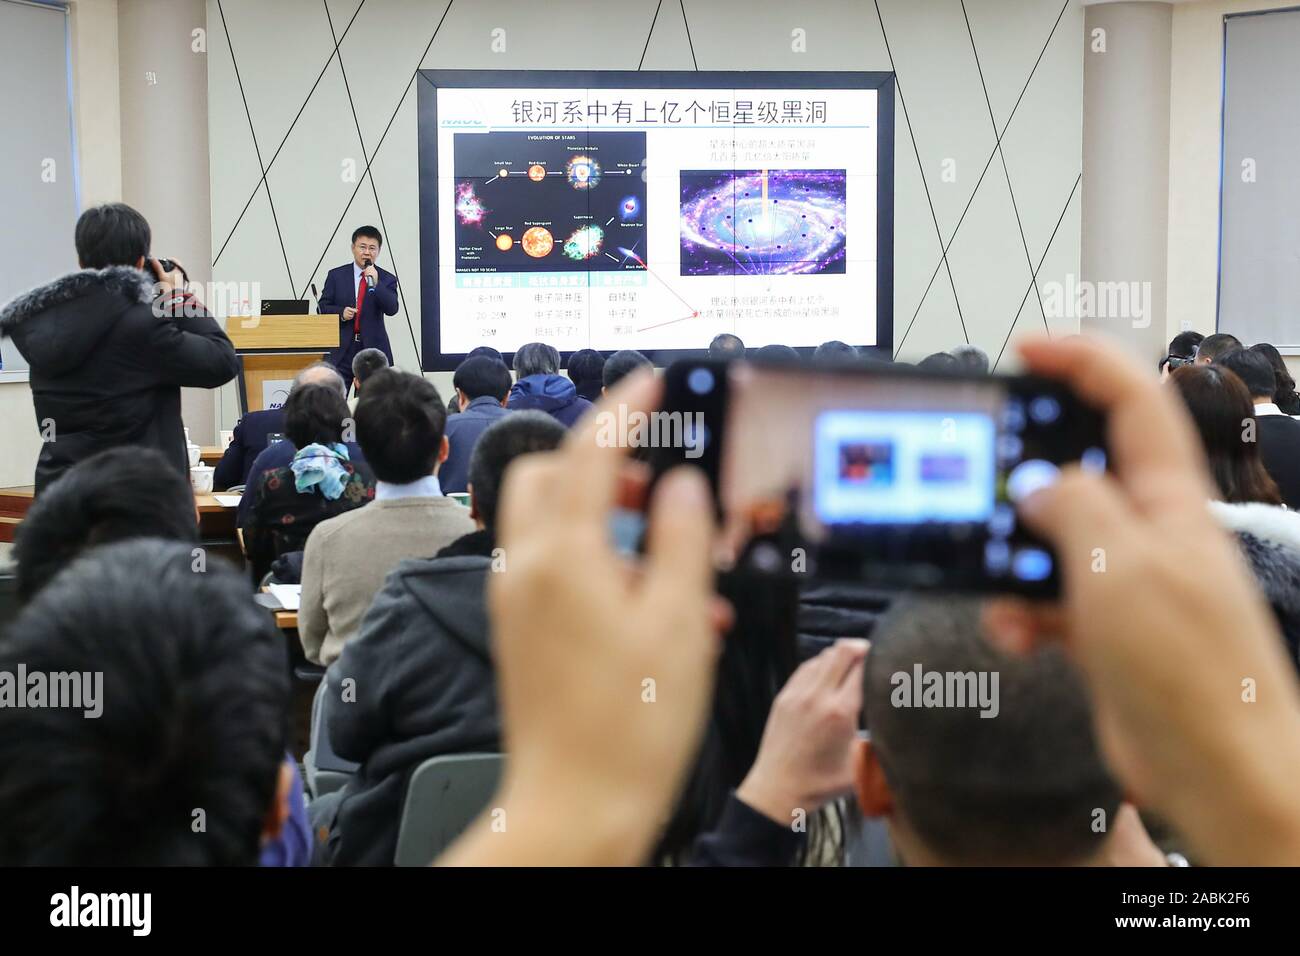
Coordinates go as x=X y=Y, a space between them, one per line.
x=889 y=475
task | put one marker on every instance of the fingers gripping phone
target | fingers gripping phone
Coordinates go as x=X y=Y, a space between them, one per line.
x=888 y=475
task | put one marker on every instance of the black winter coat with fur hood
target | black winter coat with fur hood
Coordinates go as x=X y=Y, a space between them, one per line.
x=106 y=371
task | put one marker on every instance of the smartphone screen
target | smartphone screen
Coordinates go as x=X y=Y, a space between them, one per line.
x=883 y=474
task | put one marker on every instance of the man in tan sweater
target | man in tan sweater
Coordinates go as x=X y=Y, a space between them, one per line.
x=400 y=425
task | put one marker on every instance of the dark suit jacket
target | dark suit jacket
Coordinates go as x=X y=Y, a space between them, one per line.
x=340 y=292
x=463 y=431
x=1279 y=447
x=250 y=440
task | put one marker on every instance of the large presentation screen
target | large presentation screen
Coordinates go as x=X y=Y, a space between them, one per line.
x=653 y=211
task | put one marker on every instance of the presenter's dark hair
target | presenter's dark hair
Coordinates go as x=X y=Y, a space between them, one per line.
x=314 y=414
x=536 y=358
x=401 y=419
x=113 y=234
x=117 y=494
x=622 y=364
x=370 y=232
x=834 y=350
x=366 y=363
x=194 y=707
x=586 y=369
x=518 y=433
x=480 y=376
x=1254 y=369
x=1222 y=410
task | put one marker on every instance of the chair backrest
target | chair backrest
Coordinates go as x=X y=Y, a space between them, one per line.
x=444 y=796
x=322 y=750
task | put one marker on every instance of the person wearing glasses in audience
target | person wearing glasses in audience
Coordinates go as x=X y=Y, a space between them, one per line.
x=360 y=294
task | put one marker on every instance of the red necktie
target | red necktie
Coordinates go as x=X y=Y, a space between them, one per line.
x=361 y=298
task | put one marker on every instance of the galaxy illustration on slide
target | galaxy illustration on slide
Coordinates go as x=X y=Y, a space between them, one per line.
x=549 y=201
x=763 y=222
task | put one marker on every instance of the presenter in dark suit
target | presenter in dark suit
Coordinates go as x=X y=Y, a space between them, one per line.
x=361 y=294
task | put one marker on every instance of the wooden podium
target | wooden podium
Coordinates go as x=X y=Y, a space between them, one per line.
x=275 y=348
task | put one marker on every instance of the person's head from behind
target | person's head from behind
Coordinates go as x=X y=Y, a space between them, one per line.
x=322 y=373
x=487 y=350
x=401 y=427
x=775 y=353
x=586 y=370
x=183 y=711
x=1221 y=408
x=1182 y=347
x=726 y=346
x=481 y=377
x=834 y=351
x=622 y=364
x=1255 y=372
x=536 y=358
x=365 y=364
x=114 y=495
x=1285 y=391
x=1215 y=346
x=519 y=433
x=366 y=243
x=940 y=362
x=314 y=415
x=978 y=757
x=971 y=358
x=113 y=234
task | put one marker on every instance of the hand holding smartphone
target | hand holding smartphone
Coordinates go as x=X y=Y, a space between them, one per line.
x=889 y=475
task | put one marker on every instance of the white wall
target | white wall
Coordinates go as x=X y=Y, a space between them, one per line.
x=281 y=49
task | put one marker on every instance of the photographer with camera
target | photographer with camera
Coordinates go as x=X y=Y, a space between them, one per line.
x=111 y=346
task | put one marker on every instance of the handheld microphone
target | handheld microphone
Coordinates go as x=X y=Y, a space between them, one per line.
x=370 y=280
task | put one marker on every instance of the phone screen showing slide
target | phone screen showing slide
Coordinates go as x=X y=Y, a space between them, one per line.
x=653 y=219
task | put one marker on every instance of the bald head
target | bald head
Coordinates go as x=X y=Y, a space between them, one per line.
x=322 y=373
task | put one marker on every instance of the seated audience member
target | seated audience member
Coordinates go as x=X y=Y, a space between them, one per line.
x=111 y=496
x=586 y=369
x=1182 y=351
x=726 y=346
x=971 y=358
x=365 y=364
x=540 y=386
x=776 y=353
x=1278 y=434
x=482 y=385
x=319 y=482
x=453 y=406
x=252 y=436
x=1269 y=537
x=277 y=454
x=423 y=651
x=119 y=495
x=1006 y=774
x=1285 y=397
x=622 y=364
x=400 y=421
x=190 y=700
x=834 y=351
x=940 y=362
x=110 y=346
x=1205 y=761
x=1220 y=407
x=1214 y=346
